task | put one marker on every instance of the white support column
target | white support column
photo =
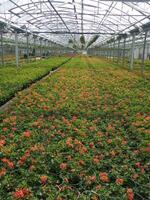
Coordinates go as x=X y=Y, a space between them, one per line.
x=35 y=37
x=27 y=37
x=45 y=52
x=16 y=49
x=124 y=50
x=2 y=49
x=41 y=47
x=143 y=54
x=118 y=54
x=132 y=51
x=114 y=51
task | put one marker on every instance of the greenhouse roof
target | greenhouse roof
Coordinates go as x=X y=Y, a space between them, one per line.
x=61 y=20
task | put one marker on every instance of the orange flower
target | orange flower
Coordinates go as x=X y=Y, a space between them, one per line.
x=81 y=162
x=83 y=150
x=69 y=142
x=5 y=129
x=74 y=118
x=124 y=142
x=91 y=145
x=91 y=128
x=26 y=134
x=138 y=165
x=92 y=178
x=113 y=153
x=10 y=165
x=43 y=179
x=109 y=141
x=21 y=193
x=2 y=142
x=147 y=118
x=95 y=160
x=69 y=158
x=63 y=166
x=11 y=135
x=119 y=181
x=135 y=176
x=110 y=127
x=130 y=194
x=14 y=129
x=98 y=187
x=2 y=172
x=4 y=160
x=103 y=177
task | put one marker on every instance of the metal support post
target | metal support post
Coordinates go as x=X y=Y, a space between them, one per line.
x=132 y=51
x=2 y=49
x=124 y=51
x=28 y=57
x=35 y=47
x=41 y=47
x=16 y=49
x=114 y=51
x=118 y=50
x=143 y=55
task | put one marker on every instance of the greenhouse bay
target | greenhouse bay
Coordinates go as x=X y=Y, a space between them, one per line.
x=74 y=100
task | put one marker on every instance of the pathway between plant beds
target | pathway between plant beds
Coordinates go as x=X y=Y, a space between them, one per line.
x=82 y=133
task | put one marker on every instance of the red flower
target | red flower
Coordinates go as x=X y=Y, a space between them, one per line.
x=26 y=134
x=2 y=142
x=130 y=194
x=92 y=178
x=109 y=141
x=95 y=160
x=10 y=165
x=5 y=129
x=4 y=160
x=138 y=165
x=69 y=142
x=119 y=181
x=103 y=177
x=91 y=145
x=74 y=118
x=11 y=135
x=63 y=166
x=43 y=179
x=21 y=193
x=2 y=172
x=14 y=129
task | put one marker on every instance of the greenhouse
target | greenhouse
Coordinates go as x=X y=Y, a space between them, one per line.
x=74 y=100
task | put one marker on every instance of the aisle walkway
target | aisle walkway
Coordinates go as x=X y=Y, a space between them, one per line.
x=81 y=134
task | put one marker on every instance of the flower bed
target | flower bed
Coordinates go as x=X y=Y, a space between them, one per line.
x=13 y=79
x=81 y=134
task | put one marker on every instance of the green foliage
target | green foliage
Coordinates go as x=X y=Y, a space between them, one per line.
x=13 y=79
x=70 y=41
x=82 y=39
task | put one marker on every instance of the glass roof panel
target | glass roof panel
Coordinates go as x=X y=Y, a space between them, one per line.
x=61 y=20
